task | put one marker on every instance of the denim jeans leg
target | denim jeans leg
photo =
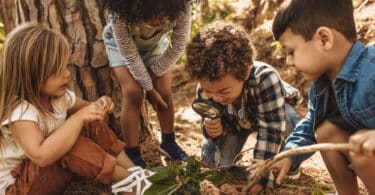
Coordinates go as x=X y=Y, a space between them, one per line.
x=231 y=146
x=223 y=151
x=210 y=153
x=292 y=119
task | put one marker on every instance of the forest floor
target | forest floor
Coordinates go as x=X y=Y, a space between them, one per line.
x=314 y=179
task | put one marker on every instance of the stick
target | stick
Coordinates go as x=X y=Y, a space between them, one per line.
x=301 y=150
x=175 y=189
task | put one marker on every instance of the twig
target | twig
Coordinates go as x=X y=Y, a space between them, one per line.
x=175 y=189
x=235 y=158
x=229 y=165
x=301 y=150
x=359 y=8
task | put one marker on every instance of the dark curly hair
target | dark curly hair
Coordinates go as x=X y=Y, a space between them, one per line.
x=221 y=48
x=134 y=11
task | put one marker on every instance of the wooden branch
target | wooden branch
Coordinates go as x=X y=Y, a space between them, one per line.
x=301 y=150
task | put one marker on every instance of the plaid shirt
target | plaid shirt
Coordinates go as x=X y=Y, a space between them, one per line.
x=263 y=111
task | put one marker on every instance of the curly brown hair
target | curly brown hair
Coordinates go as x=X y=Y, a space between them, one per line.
x=134 y=11
x=220 y=48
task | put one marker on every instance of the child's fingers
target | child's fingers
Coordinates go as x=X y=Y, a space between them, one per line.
x=368 y=148
x=256 y=189
x=214 y=133
x=213 y=123
x=355 y=143
x=255 y=164
x=213 y=129
x=163 y=104
x=111 y=107
x=281 y=175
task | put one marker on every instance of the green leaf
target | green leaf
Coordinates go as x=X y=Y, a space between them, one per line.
x=319 y=192
x=193 y=166
x=191 y=187
x=163 y=175
x=160 y=189
x=216 y=177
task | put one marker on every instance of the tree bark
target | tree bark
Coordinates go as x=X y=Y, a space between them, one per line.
x=82 y=23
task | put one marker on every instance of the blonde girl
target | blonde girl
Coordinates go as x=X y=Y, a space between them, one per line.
x=41 y=148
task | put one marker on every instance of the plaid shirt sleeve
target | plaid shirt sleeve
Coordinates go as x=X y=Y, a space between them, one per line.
x=271 y=119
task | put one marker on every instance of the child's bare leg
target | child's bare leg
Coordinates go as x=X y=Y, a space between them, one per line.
x=337 y=163
x=124 y=161
x=364 y=166
x=168 y=146
x=165 y=116
x=132 y=97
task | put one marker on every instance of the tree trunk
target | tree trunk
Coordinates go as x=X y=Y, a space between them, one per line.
x=82 y=22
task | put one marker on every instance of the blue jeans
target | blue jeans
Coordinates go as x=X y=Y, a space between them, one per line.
x=223 y=153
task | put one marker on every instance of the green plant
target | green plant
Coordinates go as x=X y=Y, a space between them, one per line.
x=180 y=179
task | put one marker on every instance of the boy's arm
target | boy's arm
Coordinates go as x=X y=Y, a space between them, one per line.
x=302 y=135
x=130 y=53
x=180 y=37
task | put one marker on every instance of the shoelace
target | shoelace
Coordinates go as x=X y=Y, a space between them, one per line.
x=127 y=184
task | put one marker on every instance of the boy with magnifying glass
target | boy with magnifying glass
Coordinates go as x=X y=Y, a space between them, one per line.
x=249 y=96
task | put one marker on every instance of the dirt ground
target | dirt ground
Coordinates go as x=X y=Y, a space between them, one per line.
x=314 y=179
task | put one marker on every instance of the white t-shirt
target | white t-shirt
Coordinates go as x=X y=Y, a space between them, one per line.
x=11 y=154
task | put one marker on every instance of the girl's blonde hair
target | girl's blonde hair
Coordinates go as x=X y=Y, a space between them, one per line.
x=31 y=53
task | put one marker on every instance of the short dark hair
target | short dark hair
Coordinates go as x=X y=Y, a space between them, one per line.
x=220 y=48
x=134 y=11
x=304 y=17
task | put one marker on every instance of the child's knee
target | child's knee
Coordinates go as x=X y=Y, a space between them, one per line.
x=133 y=94
x=328 y=132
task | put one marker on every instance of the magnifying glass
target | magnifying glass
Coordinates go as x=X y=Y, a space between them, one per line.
x=207 y=108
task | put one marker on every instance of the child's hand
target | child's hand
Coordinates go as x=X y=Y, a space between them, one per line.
x=93 y=111
x=257 y=189
x=282 y=168
x=107 y=103
x=156 y=100
x=255 y=163
x=363 y=143
x=213 y=127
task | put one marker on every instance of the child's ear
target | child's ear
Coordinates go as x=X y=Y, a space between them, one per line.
x=325 y=37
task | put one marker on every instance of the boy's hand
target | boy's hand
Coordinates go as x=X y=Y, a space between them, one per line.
x=282 y=168
x=254 y=164
x=156 y=100
x=213 y=127
x=363 y=143
x=91 y=112
x=257 y=189
x=107 y=103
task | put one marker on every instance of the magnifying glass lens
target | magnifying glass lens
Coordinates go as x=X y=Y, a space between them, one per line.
x=206 y=108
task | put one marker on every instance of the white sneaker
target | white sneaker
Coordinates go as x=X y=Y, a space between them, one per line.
x=135 y=179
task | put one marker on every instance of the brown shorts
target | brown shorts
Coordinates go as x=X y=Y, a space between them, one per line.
x=92 y=156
